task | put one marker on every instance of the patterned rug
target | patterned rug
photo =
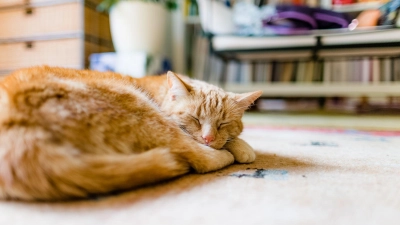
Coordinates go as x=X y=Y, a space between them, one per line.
x=301 y=176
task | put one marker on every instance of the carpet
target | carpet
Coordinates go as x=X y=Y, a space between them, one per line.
x=301 y=176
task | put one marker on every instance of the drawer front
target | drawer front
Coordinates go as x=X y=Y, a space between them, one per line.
x=33 y=3
x=48 y=20
x=64 y=52
x=10 y=3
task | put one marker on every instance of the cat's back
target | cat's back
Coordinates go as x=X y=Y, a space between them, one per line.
x=37 y=87
x=44 y=75
x=82 y=107
x=46 y=81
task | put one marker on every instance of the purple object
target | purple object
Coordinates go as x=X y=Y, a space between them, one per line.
x=292 y=19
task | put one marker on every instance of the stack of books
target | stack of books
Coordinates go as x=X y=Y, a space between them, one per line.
x=340 y=70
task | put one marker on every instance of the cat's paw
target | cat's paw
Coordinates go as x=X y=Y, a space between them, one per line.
x=212 y=160
x=242 y=151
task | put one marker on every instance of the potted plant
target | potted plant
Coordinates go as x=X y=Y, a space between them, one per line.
x=139 y=25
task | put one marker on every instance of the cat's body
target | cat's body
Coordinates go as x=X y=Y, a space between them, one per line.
x=70 y=134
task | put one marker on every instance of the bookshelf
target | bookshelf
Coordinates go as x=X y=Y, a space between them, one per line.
x=335 y=63
x=348 y=64
x=319 y=89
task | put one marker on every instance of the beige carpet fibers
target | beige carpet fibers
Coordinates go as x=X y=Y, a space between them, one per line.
x=301 y=176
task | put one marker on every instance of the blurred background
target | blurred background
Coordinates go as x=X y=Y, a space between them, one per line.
x=306 y=55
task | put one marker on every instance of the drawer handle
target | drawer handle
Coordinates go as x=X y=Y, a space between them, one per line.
x=29 y=44
x=28 y=11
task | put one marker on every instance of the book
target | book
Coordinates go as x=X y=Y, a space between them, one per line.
x=216 y=69
x=309 y=71
x=351 y=71
x=287 y=72
x=341 y=70
x=259 y=72
x=396 y=69
x=386 y=70
x=318 y=70
x=268 y=72
x=375 y=70
x=246 y=72
x=233 y=72
x=277 y=71
x=327 y=69
x=366 y=72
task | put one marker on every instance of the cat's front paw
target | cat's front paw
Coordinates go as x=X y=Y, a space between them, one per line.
x=242 y=151
x=212 y=160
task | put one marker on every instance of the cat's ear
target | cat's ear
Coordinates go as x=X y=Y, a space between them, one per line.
x=177 y=88
x=246 y=99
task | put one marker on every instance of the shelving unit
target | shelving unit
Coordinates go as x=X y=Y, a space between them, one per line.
x=320 y=46
x=317 y=47
x=319 y=89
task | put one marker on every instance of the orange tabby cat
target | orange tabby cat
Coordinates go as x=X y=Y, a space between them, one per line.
x=69 y=134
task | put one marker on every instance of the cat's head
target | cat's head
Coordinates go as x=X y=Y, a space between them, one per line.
x=206 y=112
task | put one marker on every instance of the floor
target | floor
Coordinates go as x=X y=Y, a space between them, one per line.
x=310 y=169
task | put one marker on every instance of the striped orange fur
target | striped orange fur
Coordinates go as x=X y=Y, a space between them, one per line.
x=67 y=134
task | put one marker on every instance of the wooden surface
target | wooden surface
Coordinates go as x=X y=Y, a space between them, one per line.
x=20 y=22
x=52 y=32
x=9 y=3
x=64 y=52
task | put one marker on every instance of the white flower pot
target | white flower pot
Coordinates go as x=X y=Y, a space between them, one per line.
x=139 y=26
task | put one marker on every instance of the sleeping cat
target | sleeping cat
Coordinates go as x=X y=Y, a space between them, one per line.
x=70 y=134
x=206 y=112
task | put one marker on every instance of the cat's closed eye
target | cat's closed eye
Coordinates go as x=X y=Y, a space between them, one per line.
x=221 y=125
x=195 y=119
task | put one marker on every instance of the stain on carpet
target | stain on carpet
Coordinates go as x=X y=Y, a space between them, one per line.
x=262 y=173
x=322 y=143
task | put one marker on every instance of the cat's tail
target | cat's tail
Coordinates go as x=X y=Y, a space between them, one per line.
x=59 y=177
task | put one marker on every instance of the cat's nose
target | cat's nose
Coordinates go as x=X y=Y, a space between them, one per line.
x=208 y=139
